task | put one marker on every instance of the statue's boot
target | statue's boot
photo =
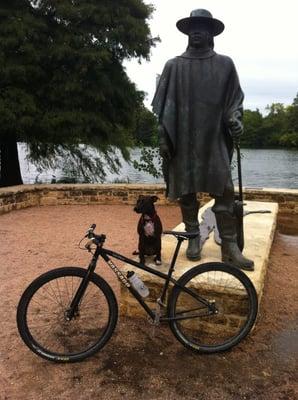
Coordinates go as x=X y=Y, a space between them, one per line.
x=190 y=219
x=230 y=252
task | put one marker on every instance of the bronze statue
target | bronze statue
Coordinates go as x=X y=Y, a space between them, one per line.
x=199 y=104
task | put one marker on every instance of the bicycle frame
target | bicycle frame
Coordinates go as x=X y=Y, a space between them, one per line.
x=105 y=253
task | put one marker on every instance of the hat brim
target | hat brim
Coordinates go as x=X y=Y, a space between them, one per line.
x=185 y=24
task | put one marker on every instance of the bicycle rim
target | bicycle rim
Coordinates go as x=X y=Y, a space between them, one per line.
x=234 y=299
x=42 y=318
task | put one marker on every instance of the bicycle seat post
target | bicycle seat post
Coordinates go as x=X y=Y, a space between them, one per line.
x=171 y=269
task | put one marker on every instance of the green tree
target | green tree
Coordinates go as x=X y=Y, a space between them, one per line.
x=289 y=137
x=278 y=128
x=253 y=123
x=289 y=140
x=145 y=132
x=274 y=124
x=19 y=72
x=295 y=101
x=62 y=80
x=292 y=116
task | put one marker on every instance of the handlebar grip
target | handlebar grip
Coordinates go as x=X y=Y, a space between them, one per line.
x=90 y=231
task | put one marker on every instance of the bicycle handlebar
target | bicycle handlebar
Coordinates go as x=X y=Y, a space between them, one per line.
x=96 y=239
x=90 y=231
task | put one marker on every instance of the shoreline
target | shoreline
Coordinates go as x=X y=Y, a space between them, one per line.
x=23 y=196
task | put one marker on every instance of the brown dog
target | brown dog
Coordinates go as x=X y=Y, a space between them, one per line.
x=149 y=229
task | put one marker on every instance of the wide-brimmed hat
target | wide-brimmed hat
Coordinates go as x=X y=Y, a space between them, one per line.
x=198 y=17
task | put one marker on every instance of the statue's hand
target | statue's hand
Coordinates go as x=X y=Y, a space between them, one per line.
x=164 y=151
x=164 y=147
x=235 y=127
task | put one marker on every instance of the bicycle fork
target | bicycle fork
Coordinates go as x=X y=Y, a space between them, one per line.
x=73 y=309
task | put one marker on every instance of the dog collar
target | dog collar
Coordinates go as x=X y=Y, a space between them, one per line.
x=148 y=218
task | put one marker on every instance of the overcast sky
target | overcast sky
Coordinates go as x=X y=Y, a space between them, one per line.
x=260 y=36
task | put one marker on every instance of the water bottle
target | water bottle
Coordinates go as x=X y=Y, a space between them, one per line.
x=137 y=284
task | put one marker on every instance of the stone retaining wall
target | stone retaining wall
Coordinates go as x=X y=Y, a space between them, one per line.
x=17 y=197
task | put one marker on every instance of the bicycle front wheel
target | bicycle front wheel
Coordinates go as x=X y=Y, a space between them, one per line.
x=42 y=315
x=216 y=312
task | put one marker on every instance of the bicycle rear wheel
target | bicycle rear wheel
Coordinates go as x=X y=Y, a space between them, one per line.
x=42 y=320
x=218 y=313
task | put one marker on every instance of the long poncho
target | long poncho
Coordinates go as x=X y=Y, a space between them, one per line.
x=195 y=97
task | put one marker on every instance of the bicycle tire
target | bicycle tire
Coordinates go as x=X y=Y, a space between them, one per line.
x=45 y=301
x=202 y=334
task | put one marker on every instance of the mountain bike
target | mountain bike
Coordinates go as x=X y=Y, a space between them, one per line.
x=69 y=313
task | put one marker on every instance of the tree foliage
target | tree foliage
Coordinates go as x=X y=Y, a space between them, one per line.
x=278 y=128
x=145 y=131
x=253 y=121
x=62 y=80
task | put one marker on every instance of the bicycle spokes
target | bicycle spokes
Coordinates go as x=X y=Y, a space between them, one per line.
x=48 y=316
x=227 y=317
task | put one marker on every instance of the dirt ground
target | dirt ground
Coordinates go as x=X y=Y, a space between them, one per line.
x=136 y=363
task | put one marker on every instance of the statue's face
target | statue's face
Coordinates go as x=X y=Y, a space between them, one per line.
x=200 y=37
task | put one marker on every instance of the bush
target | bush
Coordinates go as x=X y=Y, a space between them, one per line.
x=289 y=140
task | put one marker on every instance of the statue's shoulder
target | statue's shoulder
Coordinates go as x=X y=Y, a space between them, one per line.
x=224 y=61
x=169 y=66
x=171 y=62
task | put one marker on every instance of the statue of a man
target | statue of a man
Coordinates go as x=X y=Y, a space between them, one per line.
x=199 y=104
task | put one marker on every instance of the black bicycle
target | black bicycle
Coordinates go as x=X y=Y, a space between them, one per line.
x=69 y=313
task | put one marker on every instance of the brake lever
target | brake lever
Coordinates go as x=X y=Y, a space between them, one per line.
x=90 y=231
x=88 y=245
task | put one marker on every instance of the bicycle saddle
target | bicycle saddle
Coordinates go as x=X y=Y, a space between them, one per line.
x=183 y=235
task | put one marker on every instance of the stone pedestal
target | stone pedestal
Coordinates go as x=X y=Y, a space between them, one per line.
x=259 y=232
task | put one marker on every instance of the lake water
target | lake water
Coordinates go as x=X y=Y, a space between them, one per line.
x=272 y=168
